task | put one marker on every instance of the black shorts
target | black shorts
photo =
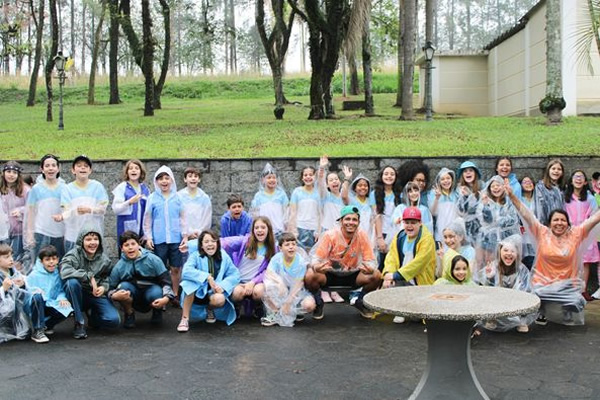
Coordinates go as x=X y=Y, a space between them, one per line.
x=335 y=278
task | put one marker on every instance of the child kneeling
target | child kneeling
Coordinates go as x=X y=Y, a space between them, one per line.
x=285 y=296
x=207 y=281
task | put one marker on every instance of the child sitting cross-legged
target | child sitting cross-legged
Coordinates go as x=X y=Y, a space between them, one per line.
x=286 y=299
x=45 y=280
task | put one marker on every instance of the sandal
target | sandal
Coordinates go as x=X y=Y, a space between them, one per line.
x=325 y=296
x=335 y=296
x=184 y=325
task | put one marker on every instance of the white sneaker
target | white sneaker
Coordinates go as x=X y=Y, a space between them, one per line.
x=596 y=294
x=210 y=316
x=522 y=329
x=399 y=320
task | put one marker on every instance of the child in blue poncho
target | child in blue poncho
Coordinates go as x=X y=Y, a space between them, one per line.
x=45 y=280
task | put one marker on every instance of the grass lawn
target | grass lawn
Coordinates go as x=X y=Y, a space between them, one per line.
x=239 y=128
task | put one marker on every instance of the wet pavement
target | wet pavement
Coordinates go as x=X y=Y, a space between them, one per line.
x=342 y=356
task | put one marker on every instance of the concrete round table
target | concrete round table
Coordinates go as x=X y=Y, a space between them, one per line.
x=450 y=312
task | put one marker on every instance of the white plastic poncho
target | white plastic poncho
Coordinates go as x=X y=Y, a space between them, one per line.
x=284 y=289
x=498 y=221
x=14 y=323
x=518 y=278
x=468 y=204
x=446 y=208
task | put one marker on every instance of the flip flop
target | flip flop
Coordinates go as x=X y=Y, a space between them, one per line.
x=335 y=296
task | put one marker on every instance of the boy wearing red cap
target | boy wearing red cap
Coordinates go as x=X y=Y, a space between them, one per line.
x=411 y=259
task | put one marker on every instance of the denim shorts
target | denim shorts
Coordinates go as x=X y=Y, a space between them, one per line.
x=169 y=254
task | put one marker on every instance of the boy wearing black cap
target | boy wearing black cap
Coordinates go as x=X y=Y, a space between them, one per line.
x=83 y=201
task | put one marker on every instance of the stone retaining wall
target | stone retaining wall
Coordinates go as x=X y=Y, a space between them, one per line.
x=223 y=177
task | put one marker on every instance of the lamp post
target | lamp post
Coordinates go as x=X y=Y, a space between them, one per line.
x=59 y=62
x=429 y=50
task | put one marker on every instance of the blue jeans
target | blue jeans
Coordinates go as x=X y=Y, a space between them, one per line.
x=35 y=309
x=102 y=313
x=16 y=243
x=69 y=246
x=142 y=297
x=43 y=241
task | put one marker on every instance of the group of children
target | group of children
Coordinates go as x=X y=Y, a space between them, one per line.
x=260 y=256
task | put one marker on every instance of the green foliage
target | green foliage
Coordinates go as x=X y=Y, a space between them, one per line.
x=551 y=102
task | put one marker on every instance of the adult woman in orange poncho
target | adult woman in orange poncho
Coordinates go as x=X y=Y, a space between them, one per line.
x=557 y=270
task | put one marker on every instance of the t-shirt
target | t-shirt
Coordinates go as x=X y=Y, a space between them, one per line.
x=197 y=210
x=44 y=202
x=366 y=211
x=272 y=206
x=295 y=270
x=73 y=196
x=249 y=268
x=307 y=208
x=332 y=206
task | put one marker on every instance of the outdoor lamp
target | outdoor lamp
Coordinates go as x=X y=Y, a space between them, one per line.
x=429 y=50
x=59 y=61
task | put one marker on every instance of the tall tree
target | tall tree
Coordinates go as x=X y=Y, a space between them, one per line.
x=39 y=34
x=354 y=85
x=95 y=52
x=148 y=58
x=329 y=23
x=113 y=52
x=51 y=54
x=367 y=68
x=164 y=66
x=400 y=53
x=276 y=41
x=408 y=47
x=553 y=103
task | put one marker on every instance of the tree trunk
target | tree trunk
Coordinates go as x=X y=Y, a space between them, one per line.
x=148 y=58
x=316 y=89
x=367 y=71
x=39 y=35
x=400 y=53
x=83 y=36
x=451 y=25
x=354 y=84
x=113 y=60
x=72 y=29
x=50 y=61
x=95 y=51
x=275 y=44
x=554 y=89
x=409 y=56
x=164 y=67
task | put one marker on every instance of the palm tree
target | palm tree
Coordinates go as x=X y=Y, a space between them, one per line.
x=553 y=103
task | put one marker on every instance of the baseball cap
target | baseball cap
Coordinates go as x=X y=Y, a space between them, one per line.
x=84 y=158
x=349 y=210
x=411 y=213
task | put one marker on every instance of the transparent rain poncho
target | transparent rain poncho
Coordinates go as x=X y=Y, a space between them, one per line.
x=462 y=247
x=271 y=205
x=498 y=221
x=516 y=276
x=14 y=322
x=546 y=200
x=426 y=218
x=556 y=276
x=468 y=204
x=284 y=289
x=445 y=209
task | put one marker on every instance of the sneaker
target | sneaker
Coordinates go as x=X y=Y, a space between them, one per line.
x=354 y=296
x=326 y=297
x=522 y=329
x=399 y=320
x=596 y=294
x=184 y=325
x=48 y=332
x=319 y=311
x=335 y=296
x=268 y=320
x=541 y=320
x=79 y=331
x=210 y=316
x=39 y=336
x=157 y=316
x=364 y=311
x=299 y=317
x=129 y=321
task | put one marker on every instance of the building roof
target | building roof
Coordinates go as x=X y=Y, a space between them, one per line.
x=520 y=25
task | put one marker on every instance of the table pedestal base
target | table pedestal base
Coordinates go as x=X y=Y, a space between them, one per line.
x=449 y=373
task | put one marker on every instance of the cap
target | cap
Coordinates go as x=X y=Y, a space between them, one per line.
x=349 y=210
x=411 y=213
x=82 y=157
x=468 y=164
